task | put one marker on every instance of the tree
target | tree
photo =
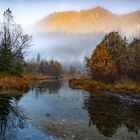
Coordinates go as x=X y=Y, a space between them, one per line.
x=114 y=58
x=38 y=58
x=117 y=47
x=44 y=67
x=101 y=64
x=72 y=70
x=5 y=58
x=133 y=55
x=53 y=68
x=13 y=45
x=109 y=60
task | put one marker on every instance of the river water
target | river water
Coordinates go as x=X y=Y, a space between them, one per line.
x=54 y=111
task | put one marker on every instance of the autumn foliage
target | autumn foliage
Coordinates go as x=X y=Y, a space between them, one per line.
x=114 y=58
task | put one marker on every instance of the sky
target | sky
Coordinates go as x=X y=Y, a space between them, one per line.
x=27 y=12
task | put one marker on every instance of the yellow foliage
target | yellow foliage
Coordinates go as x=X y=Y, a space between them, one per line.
x=102 y=65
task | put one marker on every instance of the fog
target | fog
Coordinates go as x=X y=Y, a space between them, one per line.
x=69 y=49
x=64 y=47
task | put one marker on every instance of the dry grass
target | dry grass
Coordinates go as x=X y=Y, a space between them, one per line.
x=123 y=86
x=9 y=82
x=89 y=84
x=37 y=76
x=16 y=83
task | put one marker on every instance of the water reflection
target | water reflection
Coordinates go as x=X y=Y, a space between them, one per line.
x=11 y=117
x=51 y=87
x=62 y=112
x=73 y=114
x=109 y=113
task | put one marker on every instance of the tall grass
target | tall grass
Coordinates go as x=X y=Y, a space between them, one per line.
x=10 y=82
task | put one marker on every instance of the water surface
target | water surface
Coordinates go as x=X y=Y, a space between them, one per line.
x=54 y=111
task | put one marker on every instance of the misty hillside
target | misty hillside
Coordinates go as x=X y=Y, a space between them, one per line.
x=92 y=20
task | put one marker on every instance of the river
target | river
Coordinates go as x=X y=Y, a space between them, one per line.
x=54 y=111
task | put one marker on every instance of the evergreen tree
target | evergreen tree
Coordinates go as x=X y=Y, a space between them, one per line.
x=38 y=58
x=133 y=63
x=13 y=45
x=6 y=58
x=117 y=47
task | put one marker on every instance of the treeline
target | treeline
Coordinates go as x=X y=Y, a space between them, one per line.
x=54 y=67
x=115 y=58
x=51 y=67
x=13 y=45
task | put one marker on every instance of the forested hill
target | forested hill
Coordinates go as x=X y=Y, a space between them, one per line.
x=85 y=21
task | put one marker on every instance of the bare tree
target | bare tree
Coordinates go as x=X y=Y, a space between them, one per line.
x=13 y=42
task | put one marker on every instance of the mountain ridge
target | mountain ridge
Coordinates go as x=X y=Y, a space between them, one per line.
x=91 y=20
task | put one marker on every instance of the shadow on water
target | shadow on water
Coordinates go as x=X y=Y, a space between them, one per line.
x=11 y=117
x=109 y=113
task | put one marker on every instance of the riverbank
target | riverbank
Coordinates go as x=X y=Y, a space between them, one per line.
x=10 y=82
x=31 y=77
x=90 y=85
x=13 y=84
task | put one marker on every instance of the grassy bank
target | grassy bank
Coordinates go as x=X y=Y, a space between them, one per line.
x=15 y=83
x=37 y=77
x=121 y=86
x=10 y=82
